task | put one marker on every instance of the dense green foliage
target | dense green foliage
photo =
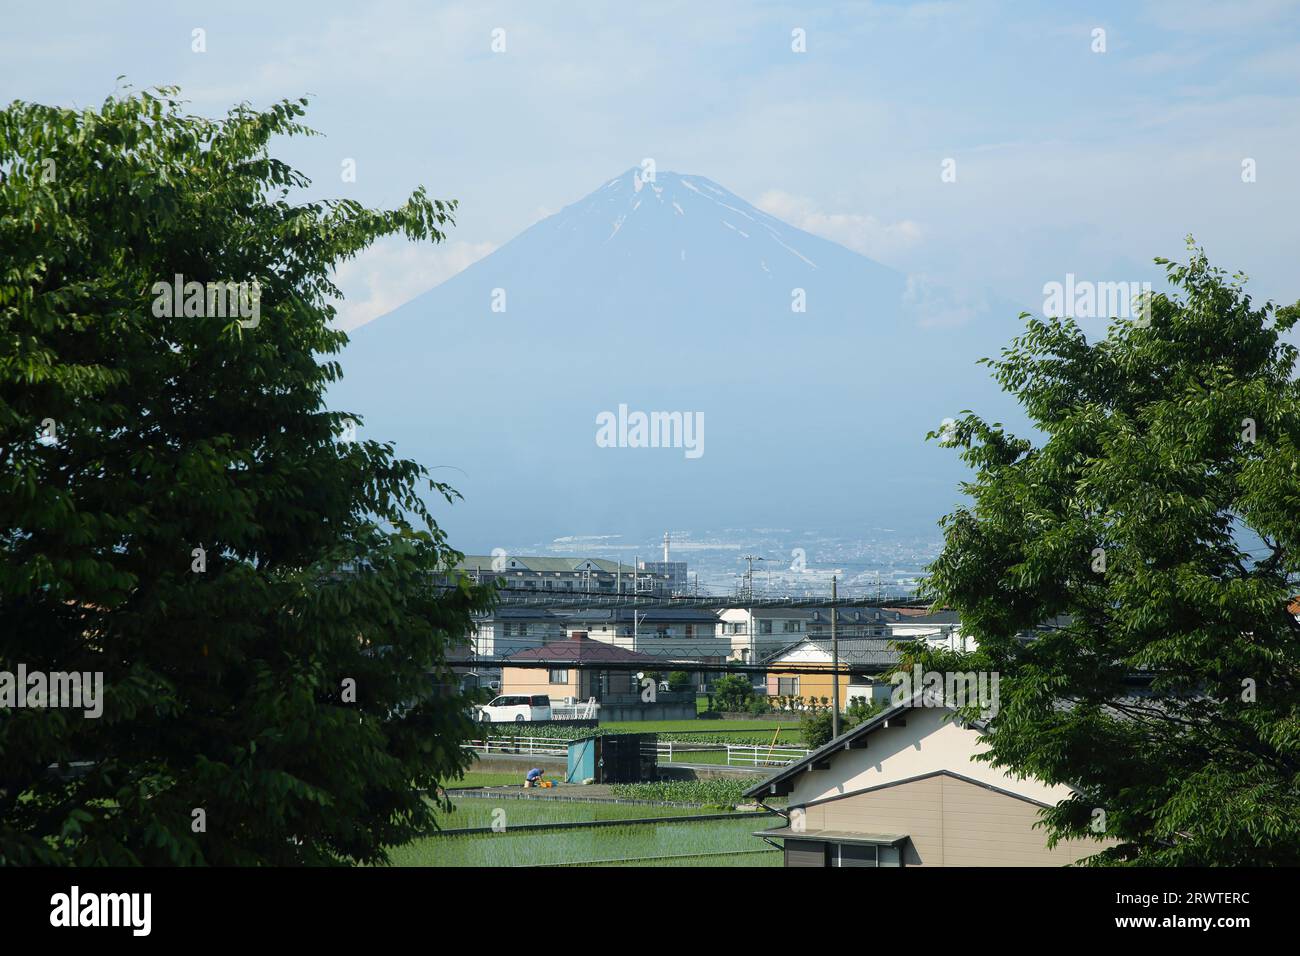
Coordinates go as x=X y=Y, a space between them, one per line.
x=1153 y=531
x=860 y=710
x=680 y=681
x=732 y=692
x=717 y=792
x=815 y=726
x=176 y=502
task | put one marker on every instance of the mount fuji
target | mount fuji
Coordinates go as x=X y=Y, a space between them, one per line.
x=675 y=295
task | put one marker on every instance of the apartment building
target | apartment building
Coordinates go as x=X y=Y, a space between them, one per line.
x=573 y=574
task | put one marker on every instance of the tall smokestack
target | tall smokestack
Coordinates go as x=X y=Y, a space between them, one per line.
x=665 y=547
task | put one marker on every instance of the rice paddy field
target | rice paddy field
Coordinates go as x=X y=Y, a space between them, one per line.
x=486 y=778
x=479 y=811
x=665 y=842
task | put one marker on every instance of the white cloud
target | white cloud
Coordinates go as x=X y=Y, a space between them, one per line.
x=392 y=272
x=859 y=232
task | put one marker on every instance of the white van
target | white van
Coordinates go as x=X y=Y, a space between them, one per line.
x=517 y=707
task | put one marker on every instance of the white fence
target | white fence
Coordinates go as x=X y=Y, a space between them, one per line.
x=578 y=711
x=541 y=746
x=667 y=751
x=731 y=755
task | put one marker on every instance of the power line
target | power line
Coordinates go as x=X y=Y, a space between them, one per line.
x=864 y=669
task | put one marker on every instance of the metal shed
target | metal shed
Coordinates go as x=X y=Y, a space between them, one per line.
x=613 y=758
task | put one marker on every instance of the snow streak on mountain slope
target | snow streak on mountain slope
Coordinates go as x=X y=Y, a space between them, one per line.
x=672 y=295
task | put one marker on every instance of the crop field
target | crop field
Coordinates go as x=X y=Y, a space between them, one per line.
x=662 y=843
x=486 y=778
x=478 y=812
x=716 y=792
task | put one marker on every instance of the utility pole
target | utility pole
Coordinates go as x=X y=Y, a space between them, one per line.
x=753 y=624
x=835 y=664
x=636 y=621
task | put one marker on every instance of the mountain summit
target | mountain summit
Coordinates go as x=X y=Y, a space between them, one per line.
x=810 y=368
x=695 y=227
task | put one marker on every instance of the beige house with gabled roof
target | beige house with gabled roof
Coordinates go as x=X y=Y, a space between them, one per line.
x=902 y=789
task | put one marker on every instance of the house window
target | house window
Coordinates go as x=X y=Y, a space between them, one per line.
x=787 y=686
x=790 y=627
x=765 y=627
x=559 y=676
x=850 y=854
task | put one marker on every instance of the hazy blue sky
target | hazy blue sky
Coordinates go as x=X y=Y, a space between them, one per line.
x=1068 y=160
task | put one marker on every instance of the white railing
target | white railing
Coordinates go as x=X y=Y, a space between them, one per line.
x=541 y=746
x=741 y=755
x=736 y=755
x=667 y=751
x=584 y=711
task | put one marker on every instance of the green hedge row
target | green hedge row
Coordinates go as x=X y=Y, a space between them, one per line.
x=713 y=792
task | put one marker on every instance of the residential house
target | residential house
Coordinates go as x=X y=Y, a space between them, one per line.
x=863 y=653
x=756 y=635
x=938 y=628
x=561 y=682
x=687 y=633
x=567 y=574
x=507 y=629
x=675 y=637
x=753 y=634
x=852 y=621
x=904 y=789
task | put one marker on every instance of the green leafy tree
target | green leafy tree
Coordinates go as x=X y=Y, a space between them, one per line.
x=732 y=692
x=860 y=710
x=679 y=681
x=1152 y=532
x=180 y=512
x=815 y=727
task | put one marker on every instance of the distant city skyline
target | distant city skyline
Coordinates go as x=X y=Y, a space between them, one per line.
x=793 y=562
